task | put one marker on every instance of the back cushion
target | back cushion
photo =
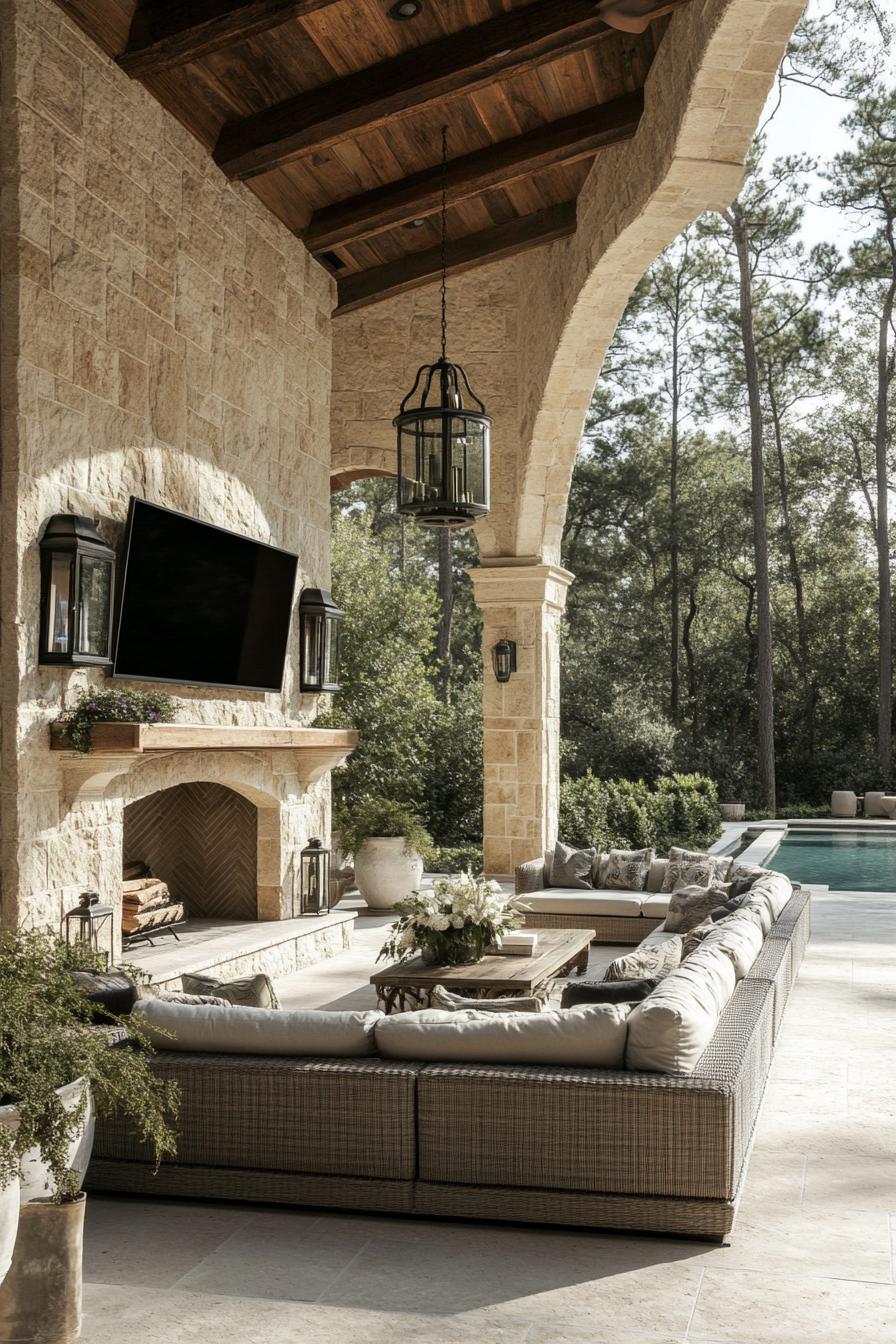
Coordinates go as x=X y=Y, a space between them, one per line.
x=256 y=1031
x=590 y=1036
x=761 y=907
x=740 y=937
x=655 y=875
x=776 y=887
x=670 y=1030
x=689 y=906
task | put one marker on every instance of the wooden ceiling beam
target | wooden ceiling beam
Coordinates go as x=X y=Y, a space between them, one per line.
x=415 y=197
x=510 y=42
x=423 y=268
x=164 y=35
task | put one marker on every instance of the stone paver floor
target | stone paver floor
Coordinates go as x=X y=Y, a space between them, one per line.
x=811 y=1260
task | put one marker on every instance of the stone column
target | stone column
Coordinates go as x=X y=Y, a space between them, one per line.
x=521 y=600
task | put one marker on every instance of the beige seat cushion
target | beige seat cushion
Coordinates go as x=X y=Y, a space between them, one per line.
x=654 y=906
x=256 y=1031
x=669 y=1031
x=569 y=901
x=590 y=1036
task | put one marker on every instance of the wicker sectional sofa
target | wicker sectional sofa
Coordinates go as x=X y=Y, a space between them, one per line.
x=594 y=1147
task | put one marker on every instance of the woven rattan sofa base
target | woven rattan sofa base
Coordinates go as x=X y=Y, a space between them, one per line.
x=257 y=1187
x=608 y=928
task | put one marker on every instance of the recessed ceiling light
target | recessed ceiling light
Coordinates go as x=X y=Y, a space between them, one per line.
x=405 y=9
x=415 y=223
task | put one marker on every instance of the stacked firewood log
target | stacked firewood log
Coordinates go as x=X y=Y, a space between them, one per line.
x=146 y=901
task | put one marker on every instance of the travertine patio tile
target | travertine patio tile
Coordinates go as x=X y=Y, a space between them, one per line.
x=735 y=1305
x=149 y=1243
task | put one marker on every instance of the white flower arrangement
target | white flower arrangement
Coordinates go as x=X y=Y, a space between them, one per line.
x=454 y=921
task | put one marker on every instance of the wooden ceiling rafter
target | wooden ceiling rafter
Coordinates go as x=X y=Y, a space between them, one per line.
x=461 y=254
x=164 y=37
x=418 y=195
x=512 y=42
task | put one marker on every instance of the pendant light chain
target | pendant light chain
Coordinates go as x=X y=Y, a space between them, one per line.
x=444 y=239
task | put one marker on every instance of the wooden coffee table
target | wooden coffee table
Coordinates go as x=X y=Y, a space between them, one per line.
x=407 y=985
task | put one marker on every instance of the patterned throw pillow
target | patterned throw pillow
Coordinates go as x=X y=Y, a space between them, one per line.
x=688 y=873
x=690 y=906
x=572 y=867
x=627 y=869
x=696 y=935
x=452 y=1003
x=251 y=991
x=651 y=959
x=720 y=863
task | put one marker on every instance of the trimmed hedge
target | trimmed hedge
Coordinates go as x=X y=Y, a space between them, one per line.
x=628 y=814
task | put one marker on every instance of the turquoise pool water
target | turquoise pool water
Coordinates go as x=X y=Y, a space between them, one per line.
x=844 y=862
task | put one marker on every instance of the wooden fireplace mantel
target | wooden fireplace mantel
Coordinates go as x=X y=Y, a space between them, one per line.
x=115 y=747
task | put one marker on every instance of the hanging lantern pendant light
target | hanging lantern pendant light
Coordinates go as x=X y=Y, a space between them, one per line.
x=443 y=430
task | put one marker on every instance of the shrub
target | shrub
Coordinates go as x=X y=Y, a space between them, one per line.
x=627 y=814
x=457 y=858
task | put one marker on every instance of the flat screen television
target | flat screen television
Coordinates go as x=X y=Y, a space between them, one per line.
x=200 y=605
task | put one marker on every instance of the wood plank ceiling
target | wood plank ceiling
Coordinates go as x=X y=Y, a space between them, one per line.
x=331 y=111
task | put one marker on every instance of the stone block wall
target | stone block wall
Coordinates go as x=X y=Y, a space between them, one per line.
x=162 y=336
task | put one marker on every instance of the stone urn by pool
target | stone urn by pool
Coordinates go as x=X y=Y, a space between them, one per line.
x=385 y=872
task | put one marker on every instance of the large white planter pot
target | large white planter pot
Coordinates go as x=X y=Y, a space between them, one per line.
x=9 y=1223
x=384 y=873
x=35 y=1182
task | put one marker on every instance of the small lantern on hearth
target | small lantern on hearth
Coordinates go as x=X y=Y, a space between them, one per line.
x=315 y=878
x=89 y=925
x=77 y=571
x=319 y=622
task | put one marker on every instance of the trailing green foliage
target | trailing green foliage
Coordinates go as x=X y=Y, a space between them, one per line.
x=382 y=818
x=629 y=814
x=47 y=1040
x=119 y=706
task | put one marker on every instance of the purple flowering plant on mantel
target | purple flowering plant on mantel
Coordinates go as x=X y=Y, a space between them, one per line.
x=118 y=706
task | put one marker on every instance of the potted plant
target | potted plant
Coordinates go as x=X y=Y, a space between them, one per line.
x=97 y=706
x=390 y=845
x=455 y=922
x=55 y=1066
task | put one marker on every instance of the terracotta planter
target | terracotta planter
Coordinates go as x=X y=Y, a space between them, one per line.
x=40 y=1299
x=35 y=1176
x=384 y=873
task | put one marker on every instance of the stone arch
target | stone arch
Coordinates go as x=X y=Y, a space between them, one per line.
x=703 y=98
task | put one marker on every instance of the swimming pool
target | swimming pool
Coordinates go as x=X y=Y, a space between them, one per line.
x=844 y=861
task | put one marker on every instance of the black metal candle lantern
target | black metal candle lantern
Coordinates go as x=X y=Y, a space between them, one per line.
x=77 y=584
x=320 y=623
x=504 y=659
x=315 y=878
x=443 y=433
x=89 y=924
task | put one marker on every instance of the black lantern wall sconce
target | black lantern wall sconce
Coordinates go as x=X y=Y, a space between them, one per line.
x=504 y=659
x=89 y=924
x=315 y=878
x=320 y=622
x=77 y=582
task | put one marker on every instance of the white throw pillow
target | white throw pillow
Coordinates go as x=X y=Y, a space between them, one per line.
x=669 y=1031
x=591 y=1036
x=256 y=1031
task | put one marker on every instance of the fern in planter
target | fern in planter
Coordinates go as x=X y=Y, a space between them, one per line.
x=381 y=818
x=95 y=706
x=47 y=1040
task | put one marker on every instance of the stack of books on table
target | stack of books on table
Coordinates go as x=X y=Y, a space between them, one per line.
x=519 y=943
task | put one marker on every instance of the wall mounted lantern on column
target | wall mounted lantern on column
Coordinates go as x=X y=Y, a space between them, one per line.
x=320 y=622
x=443 y=433
x=504 y=659
x=77 y=583
x=315 y=878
